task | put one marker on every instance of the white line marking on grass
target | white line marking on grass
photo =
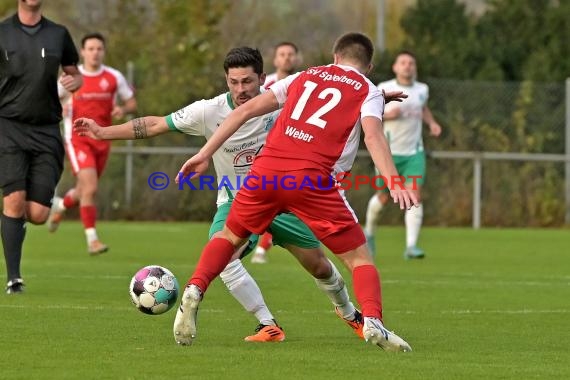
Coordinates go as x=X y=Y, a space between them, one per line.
x=459 y=281
x=218 y=311
x=523 y=311
x=86 y=308
x=482 y=284
x=80 y=276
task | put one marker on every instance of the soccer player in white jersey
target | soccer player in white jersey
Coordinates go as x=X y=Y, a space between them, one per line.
x=244 y=76
x=286 y=60
x=403 y=130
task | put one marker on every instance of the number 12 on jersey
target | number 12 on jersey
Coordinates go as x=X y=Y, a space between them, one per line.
x=315 y=118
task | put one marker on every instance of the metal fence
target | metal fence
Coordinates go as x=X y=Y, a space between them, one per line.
x=505 y=146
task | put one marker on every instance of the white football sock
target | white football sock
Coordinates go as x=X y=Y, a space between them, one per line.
x=335 y=288
x=372 y=213
x=60 y=205
x=244 y=289
x=414 y=217
x=91 y=235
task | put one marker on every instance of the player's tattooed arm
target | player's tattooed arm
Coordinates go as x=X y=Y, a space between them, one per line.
x=139 y=128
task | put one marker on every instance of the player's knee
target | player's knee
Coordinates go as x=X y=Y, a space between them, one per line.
x=37 y=220
x=235 y=240
x=37 y=216
x=14 y=204
x=321 y=269
x=36 y=213
x=89 y=191
x=356 y=257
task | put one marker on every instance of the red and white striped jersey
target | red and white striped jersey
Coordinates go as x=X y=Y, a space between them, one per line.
x=319 y=126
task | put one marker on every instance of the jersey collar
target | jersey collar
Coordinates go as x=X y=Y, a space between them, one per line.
x=405 y=85
x=230 y=101
x=346 y=67
x=17 y=21
x=91 y=73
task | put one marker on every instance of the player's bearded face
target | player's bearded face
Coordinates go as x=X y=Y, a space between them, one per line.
x=243 y=84
x=405 y=67
x=285 y=59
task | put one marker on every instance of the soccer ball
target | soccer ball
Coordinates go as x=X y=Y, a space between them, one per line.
x=154 y=290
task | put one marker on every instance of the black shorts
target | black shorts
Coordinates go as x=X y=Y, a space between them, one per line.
x=31 y=159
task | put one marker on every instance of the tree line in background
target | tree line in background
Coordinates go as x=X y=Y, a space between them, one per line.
x=496 y=84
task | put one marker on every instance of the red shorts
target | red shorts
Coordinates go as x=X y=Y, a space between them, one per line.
x=310 y=194
x=86 y=153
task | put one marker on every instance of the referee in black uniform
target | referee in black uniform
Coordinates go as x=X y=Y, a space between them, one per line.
x=32 y=48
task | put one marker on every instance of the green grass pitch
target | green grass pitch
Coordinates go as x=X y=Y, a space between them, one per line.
x=489 y=304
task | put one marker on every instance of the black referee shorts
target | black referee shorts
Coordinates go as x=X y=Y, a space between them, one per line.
x=31 y=159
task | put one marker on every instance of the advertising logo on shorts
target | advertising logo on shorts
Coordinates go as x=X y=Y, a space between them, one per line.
x=244 y=159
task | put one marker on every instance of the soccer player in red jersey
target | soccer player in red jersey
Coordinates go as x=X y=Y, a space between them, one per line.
x=286 y=59
x=96 y=100
x=315 y=138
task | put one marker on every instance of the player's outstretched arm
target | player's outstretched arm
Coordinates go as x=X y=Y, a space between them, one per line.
x=139 y=128
x=380 y=152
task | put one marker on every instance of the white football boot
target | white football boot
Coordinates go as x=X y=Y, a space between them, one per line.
x=55 y=214
x=375 y=333
x=186 y=316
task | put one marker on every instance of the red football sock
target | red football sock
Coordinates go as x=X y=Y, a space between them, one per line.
x=215 y=257
x=266 y=241
x=69 y=201
x=88 y=216
x=366 y=283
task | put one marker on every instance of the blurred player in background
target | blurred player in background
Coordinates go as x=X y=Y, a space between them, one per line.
x=32 y=49
x=244 y=76
x=286 y=60
x=403 y=130
x=315 y=137
x=97 y=99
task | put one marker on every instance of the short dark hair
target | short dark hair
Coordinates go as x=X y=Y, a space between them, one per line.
x=405 y=52
x=285 y=43
x=244 y=57
x=95 y=35
x=355 y=47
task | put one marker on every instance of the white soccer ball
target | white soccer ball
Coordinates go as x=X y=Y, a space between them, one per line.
x=154 y=290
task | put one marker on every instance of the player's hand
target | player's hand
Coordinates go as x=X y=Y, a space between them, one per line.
x=394 y=96
x=70 y=82
x=87 y=127
x=118 y=112
x=434 y=129
x=197 y=164
x=405 y=198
